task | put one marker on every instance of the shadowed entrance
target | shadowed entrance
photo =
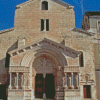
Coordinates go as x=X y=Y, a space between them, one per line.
x=39 y=86
x=49 y=86
x=44 y=85
x=3 y=92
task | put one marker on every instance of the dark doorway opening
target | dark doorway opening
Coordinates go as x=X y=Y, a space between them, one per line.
x=39 y=86
x=3 y=92
x=87 y=91
x=49 y=86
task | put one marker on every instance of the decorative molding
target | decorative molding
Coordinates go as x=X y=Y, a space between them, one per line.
x=43 y=42
x=84 y=31
x=71 y=69
x=19 y=69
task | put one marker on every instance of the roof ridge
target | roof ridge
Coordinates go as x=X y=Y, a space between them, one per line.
x=84 y=31
x=18 y=6
x=59 y=1
x=6 y=30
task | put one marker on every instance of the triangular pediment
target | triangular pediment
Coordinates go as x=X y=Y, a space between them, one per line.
x=46 y=43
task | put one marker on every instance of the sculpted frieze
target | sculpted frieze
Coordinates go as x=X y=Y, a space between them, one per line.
x=18 y=69
x=71 y=69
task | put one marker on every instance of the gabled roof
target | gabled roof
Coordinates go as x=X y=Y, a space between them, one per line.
x=92 y=13
x=7 y=30
x=46 y=42
x=84 y=31
x=63 y=3
x=57 y=1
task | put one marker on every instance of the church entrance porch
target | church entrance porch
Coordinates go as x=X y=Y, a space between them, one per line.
x=47 y=76
x=43 y=74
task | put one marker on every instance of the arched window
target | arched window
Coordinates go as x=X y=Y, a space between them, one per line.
x=81 y=60
x=44 y=5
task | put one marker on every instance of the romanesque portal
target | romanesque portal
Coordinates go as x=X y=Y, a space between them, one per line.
x=45 y=69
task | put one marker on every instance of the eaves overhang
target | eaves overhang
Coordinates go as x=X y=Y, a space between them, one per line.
x=46 y=42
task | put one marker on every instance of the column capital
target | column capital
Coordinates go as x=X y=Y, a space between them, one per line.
x=72 y=73
x=59 y=68
x=65 y=73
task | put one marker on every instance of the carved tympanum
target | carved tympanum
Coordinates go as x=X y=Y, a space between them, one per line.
x=43 y=61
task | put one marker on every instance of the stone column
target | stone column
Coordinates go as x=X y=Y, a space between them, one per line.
x=23 y=81
x=30 y=80
x=10 y=86
x=72 y=80
x=17 y=80
x=44 y=24
x=78 y=80
x=66 y=79
x=33 y=85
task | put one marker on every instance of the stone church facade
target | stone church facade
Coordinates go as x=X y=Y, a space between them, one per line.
x=45 y=57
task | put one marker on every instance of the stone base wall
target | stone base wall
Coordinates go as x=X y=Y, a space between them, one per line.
x=73 y=98
x=98 y=84
x=59 y=95
x=20 y=95
x=72 y=95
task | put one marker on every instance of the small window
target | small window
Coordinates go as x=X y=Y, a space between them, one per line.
x=44 y=24
x=47 y=24
x=44 y=5
x=99 y=27
x=81 y=60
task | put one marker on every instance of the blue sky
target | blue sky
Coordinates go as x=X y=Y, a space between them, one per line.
x=7 y=11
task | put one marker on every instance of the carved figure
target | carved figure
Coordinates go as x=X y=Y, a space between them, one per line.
x=43 y=62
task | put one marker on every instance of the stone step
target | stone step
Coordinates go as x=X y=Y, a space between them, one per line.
x=43 y=99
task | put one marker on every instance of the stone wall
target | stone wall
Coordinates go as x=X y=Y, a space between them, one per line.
x=62 y=21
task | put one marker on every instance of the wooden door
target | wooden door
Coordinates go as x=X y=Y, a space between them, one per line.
x=39 y=86
x=87 y=91
x=84 y=91
x=3 y=92
x=49 y=86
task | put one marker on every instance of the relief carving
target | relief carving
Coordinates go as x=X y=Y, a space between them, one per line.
x=86 y=77
x=43 y=61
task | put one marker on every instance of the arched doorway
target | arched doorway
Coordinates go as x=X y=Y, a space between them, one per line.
x=46 y=59
x=45 y=69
